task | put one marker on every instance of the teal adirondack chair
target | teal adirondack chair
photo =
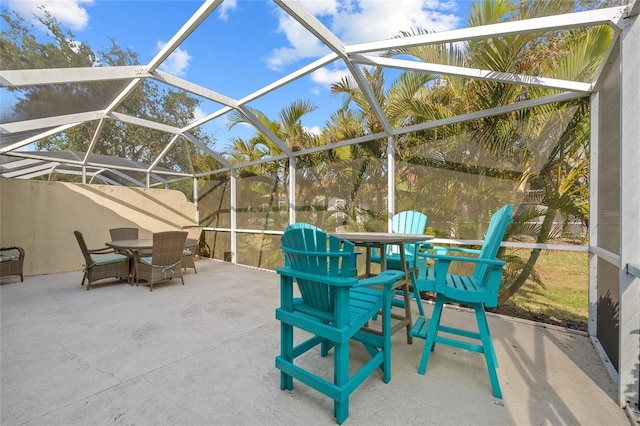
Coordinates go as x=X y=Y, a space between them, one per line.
x=333 y=307
x=406 y=222
x=478 y=291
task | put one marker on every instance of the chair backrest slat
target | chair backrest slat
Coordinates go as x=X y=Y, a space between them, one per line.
x=298 y=225
x=495 y=233
x=407 y=222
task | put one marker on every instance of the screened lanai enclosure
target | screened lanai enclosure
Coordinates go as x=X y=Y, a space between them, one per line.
x=532 y=103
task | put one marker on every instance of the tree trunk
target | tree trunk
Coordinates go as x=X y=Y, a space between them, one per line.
x=272 y=198
x=543 y=236
x=354 y=192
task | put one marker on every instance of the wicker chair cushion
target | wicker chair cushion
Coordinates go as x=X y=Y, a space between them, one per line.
x=8 y=257
x=112 y=258
x=146 y=260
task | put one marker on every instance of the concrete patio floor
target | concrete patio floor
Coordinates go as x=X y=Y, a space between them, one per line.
x=203 y=354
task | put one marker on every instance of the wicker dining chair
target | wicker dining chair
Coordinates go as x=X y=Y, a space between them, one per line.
x=101 y=263
x=165 y=261
x=191 y=247
x=12 y=261
x=123 y=233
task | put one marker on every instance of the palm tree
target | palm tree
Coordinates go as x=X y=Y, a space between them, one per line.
x=289 y=129
x=365 y=162
x=514 y=140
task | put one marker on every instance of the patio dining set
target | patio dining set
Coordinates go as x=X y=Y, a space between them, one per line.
x=337 y=305
x=126 y=256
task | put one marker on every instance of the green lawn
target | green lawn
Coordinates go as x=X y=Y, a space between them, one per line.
x=563 y=296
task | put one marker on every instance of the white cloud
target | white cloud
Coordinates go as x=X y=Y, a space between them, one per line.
x=225 y=7
x=356 y=21
x=199 y=113
x=326 y=77
x=177 y=63
x=303 y=44
x=315 y=130
x=70 y=13
x=381 y=20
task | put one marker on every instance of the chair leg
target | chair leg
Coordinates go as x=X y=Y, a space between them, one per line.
x=286 y=353
x=416 y=292
x=386 y=334
x=341 y=376
x=325 y=347
x=407 y=310
x=430 y=342
x=488 y=349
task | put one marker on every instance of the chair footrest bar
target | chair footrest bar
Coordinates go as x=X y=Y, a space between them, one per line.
x=420 y=328
x=459 y=332
x=459 y=344
x=331 y=390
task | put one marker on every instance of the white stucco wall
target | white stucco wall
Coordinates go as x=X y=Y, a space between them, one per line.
x=41 y=217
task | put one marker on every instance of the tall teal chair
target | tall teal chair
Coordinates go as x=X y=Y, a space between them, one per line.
x=406 y=222
x=333 y=307
x=477 y=291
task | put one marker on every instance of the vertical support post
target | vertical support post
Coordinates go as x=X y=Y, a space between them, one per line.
x=629 y=314
x=234 y=203
x=292 y=189
x=195 y=200
x=593 y=214
x=391 y=189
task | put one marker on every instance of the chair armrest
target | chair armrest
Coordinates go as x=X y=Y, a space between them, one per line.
x=455 y=249
x=386 y=278
x=448 y=259
x=325 y=279
x=104 y=250
x=421 y=248
x=444 y=261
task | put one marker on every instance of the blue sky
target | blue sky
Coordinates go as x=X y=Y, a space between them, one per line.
x=246 y=44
